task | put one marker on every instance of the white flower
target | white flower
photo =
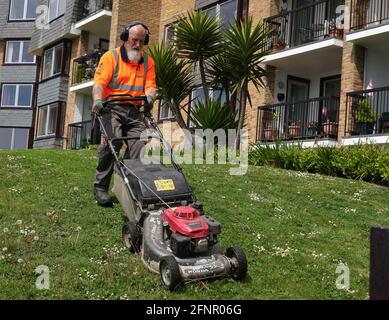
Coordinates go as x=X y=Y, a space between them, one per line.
x=5 y=249
x=5 y=230
x=19 y=222
x=36 y=238
x=255 y=197
x=20 y=260
x=78 y=229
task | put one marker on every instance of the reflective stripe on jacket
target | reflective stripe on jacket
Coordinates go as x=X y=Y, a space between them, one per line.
x=119 y=77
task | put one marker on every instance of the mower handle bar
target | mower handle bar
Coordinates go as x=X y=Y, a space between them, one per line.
x=123 y=98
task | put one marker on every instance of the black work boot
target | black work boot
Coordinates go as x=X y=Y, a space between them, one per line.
x=102 y=197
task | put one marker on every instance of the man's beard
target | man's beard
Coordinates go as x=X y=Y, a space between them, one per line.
x=134 y=55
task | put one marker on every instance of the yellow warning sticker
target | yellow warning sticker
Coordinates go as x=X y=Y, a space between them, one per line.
x=164 y=184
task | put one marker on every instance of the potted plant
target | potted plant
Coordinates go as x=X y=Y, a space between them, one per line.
x=108 y=5
x=330 y=128
x=278 y=44
x=312 y=128
x=365 y=117
x=293 y=129
x=334 y=31
x=271 y=128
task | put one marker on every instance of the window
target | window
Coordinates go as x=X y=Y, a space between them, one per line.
x=14 y=138
x=56 y=60
x=47 y=120
x=164 y=112
x=17 y=52
x=198 y=96
x=16 y=95
x=229 y=10
x=57 y=8
x=23 y=9
x=104 y=45
x=169 y=34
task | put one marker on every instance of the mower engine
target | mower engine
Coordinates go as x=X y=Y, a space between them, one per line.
x=189 y=232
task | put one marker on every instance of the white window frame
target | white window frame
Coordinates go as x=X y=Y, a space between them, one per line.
x=20 y=61
x=25 y=5
x=16 y=95
x=218 y=5
x=49 y=107
x=52 y=49
x=170 y=112
x=58 y=13
x=171 y=26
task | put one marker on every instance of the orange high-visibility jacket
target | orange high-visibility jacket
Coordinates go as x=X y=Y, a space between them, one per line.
x=119 y=77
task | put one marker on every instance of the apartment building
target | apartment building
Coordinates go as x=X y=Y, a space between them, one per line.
x=74 y=38
x=327 y=77
x=18 y=74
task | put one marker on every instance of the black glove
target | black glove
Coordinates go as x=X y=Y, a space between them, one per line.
x=148 y=105
x=98 y=107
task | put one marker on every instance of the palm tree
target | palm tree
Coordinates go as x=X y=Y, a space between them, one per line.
x=243 y=56
x=174 y=79
x=198 y=37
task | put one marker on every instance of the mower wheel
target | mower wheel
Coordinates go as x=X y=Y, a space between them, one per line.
x=170 y=272
x=132 y=238
x=238 y=262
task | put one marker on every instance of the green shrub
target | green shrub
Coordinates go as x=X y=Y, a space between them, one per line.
x=365 y=162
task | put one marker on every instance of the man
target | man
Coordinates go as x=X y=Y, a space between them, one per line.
x=125 y=70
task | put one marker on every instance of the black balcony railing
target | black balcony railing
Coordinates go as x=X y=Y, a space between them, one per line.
x=313 y=118
x=87 y=8
x=85 y=66
x=368 y=13
x=367 y=112
x=81 y=134
x=306 y=24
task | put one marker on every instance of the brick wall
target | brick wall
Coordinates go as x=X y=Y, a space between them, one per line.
x=124 y=11
x=2 y=49
x=171 y=11
x=259 y=10
x=79 y=47
x=352 y=78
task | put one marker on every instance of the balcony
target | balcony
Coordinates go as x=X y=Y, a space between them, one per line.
x=308 y=119
x=94 y=16
x=368 y=114
x=84 y=69
x=305 y=35
x=369 y=23
x=80 y=135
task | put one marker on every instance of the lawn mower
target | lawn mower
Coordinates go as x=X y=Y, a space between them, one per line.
x=164 y=223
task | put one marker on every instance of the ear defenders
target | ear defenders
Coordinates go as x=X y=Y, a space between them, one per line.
x=125 y=32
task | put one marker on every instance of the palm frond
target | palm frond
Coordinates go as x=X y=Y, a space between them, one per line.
x=213 y=115
x=198 y=36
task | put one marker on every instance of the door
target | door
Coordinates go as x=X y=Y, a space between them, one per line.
x=330 y=89
x=297 y=105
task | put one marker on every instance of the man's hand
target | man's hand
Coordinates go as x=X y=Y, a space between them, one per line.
x=98 y=107
x=148 y=104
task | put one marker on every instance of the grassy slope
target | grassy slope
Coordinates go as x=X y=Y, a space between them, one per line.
x=295 y=228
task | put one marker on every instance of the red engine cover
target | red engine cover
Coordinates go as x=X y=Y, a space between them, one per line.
x=187 y=221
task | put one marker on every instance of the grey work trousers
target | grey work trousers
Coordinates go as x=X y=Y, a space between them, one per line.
x=120 y=121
